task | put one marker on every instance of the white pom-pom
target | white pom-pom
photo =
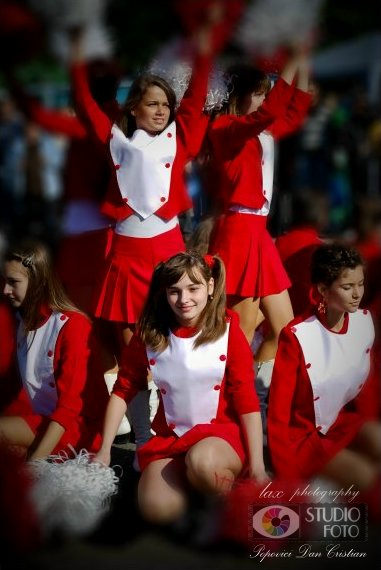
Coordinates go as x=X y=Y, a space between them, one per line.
x=270 y=24
x=67 y=13
x=174 y=64
x=60 y=15
x=71 y=495
x=97 y=43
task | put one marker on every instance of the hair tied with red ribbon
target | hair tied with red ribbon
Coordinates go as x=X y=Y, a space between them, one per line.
x=209 y=260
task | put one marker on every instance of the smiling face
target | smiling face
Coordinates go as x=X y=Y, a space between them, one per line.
x=153 y=111
x=346 y=292
x=16 y=282
x=188 y=299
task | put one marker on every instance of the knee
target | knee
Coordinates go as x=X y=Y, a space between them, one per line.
x=201 y=465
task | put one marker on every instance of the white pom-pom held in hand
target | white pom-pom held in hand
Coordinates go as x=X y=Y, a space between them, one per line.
x=71 y=495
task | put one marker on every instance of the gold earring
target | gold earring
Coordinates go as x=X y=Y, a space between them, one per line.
x=322 y=307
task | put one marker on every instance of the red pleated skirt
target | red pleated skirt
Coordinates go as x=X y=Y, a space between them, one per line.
x=123 y=287
x=162 y=447
x=79 y=263
x=253 y=266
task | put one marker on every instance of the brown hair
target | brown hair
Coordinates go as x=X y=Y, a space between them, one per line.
x=244 y=79
x=157 y=316
x=137 y=90
x=44 y=289
x=329 y=261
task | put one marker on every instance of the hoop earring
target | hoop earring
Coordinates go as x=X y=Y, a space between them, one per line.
x=210 y=297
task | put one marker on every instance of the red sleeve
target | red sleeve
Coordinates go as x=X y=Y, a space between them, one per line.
x=294 y=116
x=93 y=118
x=132 y=375
x=70 y=368
x=283 y=384
x=51 y=120
x=240 y=370
x=237 y=130
x=191 y=122
x=368 y=401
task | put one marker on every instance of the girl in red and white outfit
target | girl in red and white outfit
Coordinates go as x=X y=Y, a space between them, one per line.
x=63 y=394
x=320 y=418
x=208 y=424
x=148 y=150
x=242 y=148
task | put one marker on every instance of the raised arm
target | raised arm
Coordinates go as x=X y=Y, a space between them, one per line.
x=49 y=119
x=96 y=122
x=191 y=121
x=299 y=104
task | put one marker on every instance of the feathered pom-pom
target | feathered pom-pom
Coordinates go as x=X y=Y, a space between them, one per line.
x=71 y=495
x=61 y=15
x=173 y=63
x=269 y=25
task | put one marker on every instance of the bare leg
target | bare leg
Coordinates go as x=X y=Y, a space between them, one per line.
x=212 y=466
x=162 y=490
x=349 y=468
x=277 y=310
x=247 y=308
x=16 y=431
x=368 y=441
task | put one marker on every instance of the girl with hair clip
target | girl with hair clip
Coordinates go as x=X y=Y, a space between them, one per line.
x=320 y=415
x=62 y=394
x=208 y=425
x=241 y=143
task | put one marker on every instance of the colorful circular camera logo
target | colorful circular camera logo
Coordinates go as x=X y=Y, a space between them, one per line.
x=276 y=521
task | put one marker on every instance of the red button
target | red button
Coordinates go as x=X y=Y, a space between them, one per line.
x=167 y=165
x=162 y=199
x=222 y=357
x=319 y=428
x=213 y=421
x=152 y=361
x=125 y=200
x=163 y=391
x=217 y=387
x=293 y=329
x=63 y=317
x=308 y=365
x=365 y=311
x=169 y=135
x=117 y=166
x=172 y=426
x=50 y=353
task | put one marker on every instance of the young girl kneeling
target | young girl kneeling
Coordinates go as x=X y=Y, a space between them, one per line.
x=208 y=425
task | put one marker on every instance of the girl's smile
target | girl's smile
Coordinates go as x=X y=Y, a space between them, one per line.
x=188 y=299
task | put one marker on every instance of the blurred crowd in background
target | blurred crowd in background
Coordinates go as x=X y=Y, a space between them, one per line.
x=334 y=160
